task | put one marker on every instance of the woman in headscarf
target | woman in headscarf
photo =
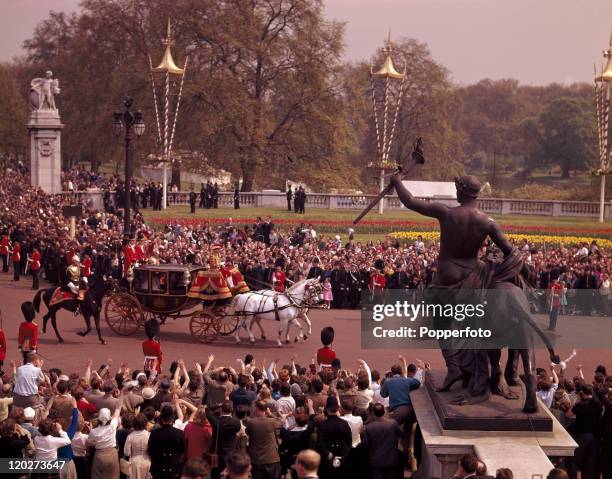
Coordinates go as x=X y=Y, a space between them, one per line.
x=103 y=439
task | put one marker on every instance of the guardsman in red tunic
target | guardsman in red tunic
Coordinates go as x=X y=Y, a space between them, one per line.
x=377 y=282
x=86 y=267
x=129 y=256
x=151 y=348
x=554 y=296
x=5 y=247
x=279 y=278
x=27 y=339
x=35 y=267
x=16 y=261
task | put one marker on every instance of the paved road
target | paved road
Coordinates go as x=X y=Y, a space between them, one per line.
x=177 y=342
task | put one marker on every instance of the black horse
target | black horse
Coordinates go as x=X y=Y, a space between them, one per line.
x=90 y=306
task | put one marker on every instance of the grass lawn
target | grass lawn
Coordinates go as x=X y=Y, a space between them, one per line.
x=367 y=231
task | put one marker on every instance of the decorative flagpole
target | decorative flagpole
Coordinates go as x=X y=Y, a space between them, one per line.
x=178 y=103
x=388 y=87
x=168 y=67
x=603 y=104
x=155 y=104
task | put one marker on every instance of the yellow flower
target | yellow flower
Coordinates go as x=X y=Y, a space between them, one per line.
x=517 y=238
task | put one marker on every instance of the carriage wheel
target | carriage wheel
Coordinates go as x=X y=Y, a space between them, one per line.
x=227 y=321
x=203 y=326
x=123 y=314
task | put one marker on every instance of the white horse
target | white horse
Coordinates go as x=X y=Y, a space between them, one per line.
x=285 y=307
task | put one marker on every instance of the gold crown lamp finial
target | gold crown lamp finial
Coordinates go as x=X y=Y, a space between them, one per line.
x=167 y=64
x=606 y=74
x=387 y=70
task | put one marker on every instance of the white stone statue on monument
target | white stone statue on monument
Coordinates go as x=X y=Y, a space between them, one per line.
x=45 y=131
x=43 y=91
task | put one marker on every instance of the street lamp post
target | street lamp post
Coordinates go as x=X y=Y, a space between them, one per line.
x=603 y=103
x=388 y=87
x=125 y=121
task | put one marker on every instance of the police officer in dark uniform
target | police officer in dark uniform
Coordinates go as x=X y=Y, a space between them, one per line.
x=296 y=200
x=236 y=198
x=354 y=287
x=192 y=200
x=215 y=196
x=364 y=282
x=202 y=195
x=339 y=282
x=302 y=200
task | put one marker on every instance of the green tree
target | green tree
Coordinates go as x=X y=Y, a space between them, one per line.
x=13 y=115
x=565 y=133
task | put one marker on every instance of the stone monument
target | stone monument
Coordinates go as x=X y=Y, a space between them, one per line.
x=45 y=129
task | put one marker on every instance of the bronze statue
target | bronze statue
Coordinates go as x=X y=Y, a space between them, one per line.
x=463 y=230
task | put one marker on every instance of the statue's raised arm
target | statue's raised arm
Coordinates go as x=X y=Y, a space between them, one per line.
x=427 y=208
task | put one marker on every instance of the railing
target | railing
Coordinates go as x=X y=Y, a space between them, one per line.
x=496 y=206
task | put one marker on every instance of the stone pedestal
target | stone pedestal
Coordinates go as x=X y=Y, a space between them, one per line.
x=45 y=129
x=526 y=453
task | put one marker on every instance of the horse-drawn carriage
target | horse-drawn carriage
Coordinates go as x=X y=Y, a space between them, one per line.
x=162 y=292
x=180 y=291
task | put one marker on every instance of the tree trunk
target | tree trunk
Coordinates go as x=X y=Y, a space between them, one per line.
x=249 y=168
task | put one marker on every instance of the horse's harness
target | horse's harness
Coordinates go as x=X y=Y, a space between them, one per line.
x=299 y=303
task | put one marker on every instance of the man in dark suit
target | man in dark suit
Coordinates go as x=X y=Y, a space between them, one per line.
x=289 y=198
x=400 y=279
x=380 y=438
x=165 y=447
x=263 y=447
x=334 y=442
x=315 y=270
x=202 y=196
x=302 y=200
x=192 y=200
x=225 y=427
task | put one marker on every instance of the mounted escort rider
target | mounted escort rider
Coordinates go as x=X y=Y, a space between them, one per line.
x=75 y=282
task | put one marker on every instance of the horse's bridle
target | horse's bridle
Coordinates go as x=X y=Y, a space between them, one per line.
x=313 y=291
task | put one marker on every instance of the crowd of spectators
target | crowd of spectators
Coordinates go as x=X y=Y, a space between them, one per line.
x=272 y=419
x=35 y=220
x=283 y=419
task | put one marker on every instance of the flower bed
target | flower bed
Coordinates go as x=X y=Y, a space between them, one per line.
x=390 y=226
x=537 y=239
x=321 y=226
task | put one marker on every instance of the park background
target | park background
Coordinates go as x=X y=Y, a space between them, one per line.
x=268 y=82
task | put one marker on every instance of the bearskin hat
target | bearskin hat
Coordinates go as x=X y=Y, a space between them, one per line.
x=29 y=313
x=327 y=335
x=152 y=328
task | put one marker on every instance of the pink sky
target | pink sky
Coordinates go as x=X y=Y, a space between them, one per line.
x=535 y=41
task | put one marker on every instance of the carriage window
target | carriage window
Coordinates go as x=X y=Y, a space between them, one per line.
x=159 y=282
x=177 y=283
x=141 y=281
